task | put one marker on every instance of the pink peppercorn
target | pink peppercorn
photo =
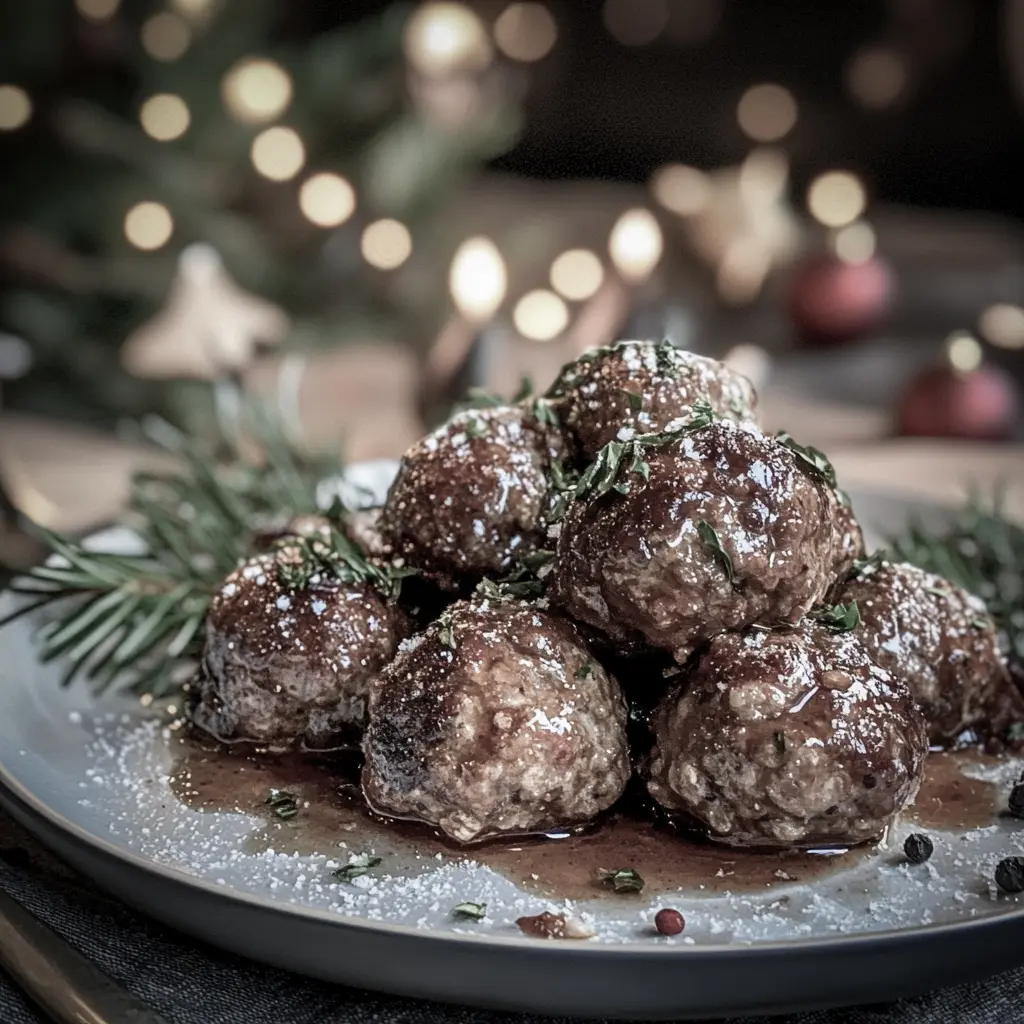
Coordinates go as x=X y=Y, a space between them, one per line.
x=669 y=921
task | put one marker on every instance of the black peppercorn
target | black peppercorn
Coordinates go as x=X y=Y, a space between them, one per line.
x=1010 y=874
x=1016 y=801
x=918 y=848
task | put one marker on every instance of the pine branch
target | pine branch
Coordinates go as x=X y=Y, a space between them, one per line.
x=137 y=620
x=982 y=550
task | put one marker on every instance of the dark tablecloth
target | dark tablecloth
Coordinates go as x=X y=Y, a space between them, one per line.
x=195 y=984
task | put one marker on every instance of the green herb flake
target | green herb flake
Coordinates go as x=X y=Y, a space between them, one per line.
x=471 y=911
x=585 y=670
x=938 y=591
x=445 y=633
x=668 y=360
x=623 y=880
x=525 y=389
x=815 y=460
x=545 y=414
x=359 y=864
x=283 y=804
x=866 y=566
x=476 y=428
x=713 y=543
x=635 y=400
x=980 y=623
x=841 y=618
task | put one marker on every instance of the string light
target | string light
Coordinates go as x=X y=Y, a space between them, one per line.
x=855 y=243
x=525 y=31
x=742 y=271
x=836 y=198
x=577 y=274
x=278 y=153
x=636 y=244
x=15 y=107
x=767 y=112
x=97 y=10
x=477 y=279
x=165 y=36
x=165 y=117
x=256 y=90
x=327 y=199
x=876 y=77
x=386 y=244
x=540 y=315
x=197 y=10
x=963 y=352
x=1003 y=325
x=681 y=189
x=446 y=38
x=635 y=22
x=148 y=225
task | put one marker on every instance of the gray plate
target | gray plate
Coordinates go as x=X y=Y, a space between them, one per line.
x=102 y=782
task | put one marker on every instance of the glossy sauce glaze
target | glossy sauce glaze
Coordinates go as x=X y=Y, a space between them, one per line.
x=565 y=865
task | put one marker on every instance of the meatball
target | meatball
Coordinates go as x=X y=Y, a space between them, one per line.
x=495 y=720
x=720 y=529
x=788 y=738
x=848 y=536
x=942 y=642
x=472 y=497
x=288 y=666
x=643 y=387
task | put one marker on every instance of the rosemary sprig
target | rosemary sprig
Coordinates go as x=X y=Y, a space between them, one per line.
x=137 y=619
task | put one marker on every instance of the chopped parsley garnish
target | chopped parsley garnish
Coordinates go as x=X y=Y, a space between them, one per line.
x=623 y=880
x=811 y=457
x=525 y=389
x=545 y=413
x=359 y=864
x=585 y=670
x=283 y=804
x=476 y=428
x=866 y=566
x=445 y=634
x=840 y=618
x=473 y=911
x=713 y=543
x=635 y=400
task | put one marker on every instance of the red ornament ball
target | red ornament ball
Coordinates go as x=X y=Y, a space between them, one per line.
x=981 y=404
x=832 y=301
x=669 y=921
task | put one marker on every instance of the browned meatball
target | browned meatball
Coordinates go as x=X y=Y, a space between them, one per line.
x=471 y=497
x=789 y=738
x=285 y=666
x=942 y=642
x=642 y=387
x=495 y=720
x=729 y=529
x=849 y=538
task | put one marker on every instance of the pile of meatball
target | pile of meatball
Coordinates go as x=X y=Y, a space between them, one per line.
x=630 y=539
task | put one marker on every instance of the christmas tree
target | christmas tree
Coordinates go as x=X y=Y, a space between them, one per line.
x=310 y=157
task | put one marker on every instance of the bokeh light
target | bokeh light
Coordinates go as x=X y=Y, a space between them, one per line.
x=327 y=199
x=540 y=315
x=148 y=225
x=876 y=77
x=525 y=31
x=477 y=279
x=577 y=274
x=635 y=22
x=445 y=39
x=855 y=243
x=97 y=10
x=386 y=244
x=165 y=117
x=278 y=153
x=165 y=36
x=636 y=244
x=1002 y=324
x=256 y=90
x=767 y=112
x=15 y=107
x=963 y=352
x=681 y=189
x=836 y=198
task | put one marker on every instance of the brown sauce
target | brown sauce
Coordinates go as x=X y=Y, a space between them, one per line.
x=215 y=779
